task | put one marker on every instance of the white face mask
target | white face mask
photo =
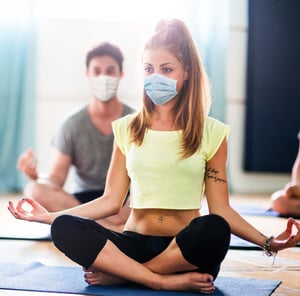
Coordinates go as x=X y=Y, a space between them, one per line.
x=104 y=87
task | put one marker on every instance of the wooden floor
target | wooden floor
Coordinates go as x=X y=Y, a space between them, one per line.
x=238 y=263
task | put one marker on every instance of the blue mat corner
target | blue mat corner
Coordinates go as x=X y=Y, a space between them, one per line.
x=69 y=280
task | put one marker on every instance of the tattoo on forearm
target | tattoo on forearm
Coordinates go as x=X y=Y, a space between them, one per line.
x=212 y=173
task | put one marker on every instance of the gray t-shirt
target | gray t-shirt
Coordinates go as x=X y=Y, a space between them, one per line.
x=89 y=149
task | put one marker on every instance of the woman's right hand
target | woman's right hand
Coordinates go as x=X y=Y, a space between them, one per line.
x=29 y=210
x=27 y=164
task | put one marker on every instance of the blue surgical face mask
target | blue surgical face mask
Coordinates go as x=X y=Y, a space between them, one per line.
x=160 y=89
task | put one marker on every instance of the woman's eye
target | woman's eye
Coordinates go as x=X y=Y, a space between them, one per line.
x=167 y=70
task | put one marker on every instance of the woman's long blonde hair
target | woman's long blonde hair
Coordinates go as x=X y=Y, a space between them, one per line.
x=194 y=98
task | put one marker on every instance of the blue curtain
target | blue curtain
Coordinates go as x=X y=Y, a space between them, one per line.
x=17 y=92
x=209 y=23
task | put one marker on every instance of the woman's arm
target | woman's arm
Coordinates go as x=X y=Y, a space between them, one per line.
x=110 y=203
x=218 y=202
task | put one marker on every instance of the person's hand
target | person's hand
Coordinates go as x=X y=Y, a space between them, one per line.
x=29 y=210
x=27 y=164
x=287 y=238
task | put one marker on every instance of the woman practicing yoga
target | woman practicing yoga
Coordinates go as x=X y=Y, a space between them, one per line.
x=168 y=154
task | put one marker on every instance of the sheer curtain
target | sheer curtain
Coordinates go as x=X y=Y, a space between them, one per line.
x=17 y=89
x=209 y=23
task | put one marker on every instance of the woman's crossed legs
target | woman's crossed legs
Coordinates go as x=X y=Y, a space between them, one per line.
x=189 y=261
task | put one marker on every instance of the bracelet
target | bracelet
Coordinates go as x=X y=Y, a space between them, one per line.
x=267 y=247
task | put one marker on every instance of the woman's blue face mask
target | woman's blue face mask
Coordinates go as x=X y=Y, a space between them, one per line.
x=160 y=89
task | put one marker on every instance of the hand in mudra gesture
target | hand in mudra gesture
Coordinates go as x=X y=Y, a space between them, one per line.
x=29 y=210
x=287 y=239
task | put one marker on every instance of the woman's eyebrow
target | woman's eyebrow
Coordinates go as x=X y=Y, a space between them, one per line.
x=165 y=64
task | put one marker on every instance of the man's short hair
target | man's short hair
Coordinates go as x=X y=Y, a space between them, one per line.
x=106 y=49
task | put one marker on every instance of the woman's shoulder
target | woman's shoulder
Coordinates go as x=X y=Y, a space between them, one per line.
x=120 y=126
x=214 y=133
x=121 y=132
x=213 y=124
x=214 y=129
x=212 y=121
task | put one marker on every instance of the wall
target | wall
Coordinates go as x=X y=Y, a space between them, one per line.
x=241 y=181
x=62 y=45
x=61 y=82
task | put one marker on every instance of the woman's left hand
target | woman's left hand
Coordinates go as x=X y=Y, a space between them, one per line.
x=287 y=239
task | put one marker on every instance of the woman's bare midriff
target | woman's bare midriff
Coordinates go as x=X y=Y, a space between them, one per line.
x=159 y=222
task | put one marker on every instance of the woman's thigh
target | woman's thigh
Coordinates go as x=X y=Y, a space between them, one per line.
x=82 y=239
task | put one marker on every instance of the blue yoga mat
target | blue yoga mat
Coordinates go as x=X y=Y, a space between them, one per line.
x=61 y=279
x=237 y=243
x=259 y=211
x=254 y=210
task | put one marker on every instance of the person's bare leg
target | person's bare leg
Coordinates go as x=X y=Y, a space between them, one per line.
x=111 y=266
x=53 y=198
x=293 y=190
x=287 y=200
x=285 y=204
x=296 y=167
x=170 y=261
x=296 y=170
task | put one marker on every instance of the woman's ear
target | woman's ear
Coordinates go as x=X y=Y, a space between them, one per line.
x=186 y=75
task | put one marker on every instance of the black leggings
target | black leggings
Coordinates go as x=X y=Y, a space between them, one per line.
x=89 y=195
x=203 y=243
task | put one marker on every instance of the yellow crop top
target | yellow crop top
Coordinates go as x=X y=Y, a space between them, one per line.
x=159 y=179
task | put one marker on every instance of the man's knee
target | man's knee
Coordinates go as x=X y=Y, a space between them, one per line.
x=43 y=194
x=33 y=189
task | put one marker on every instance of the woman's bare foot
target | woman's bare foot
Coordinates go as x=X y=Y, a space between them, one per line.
x=190 y=281
x=95 y=277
